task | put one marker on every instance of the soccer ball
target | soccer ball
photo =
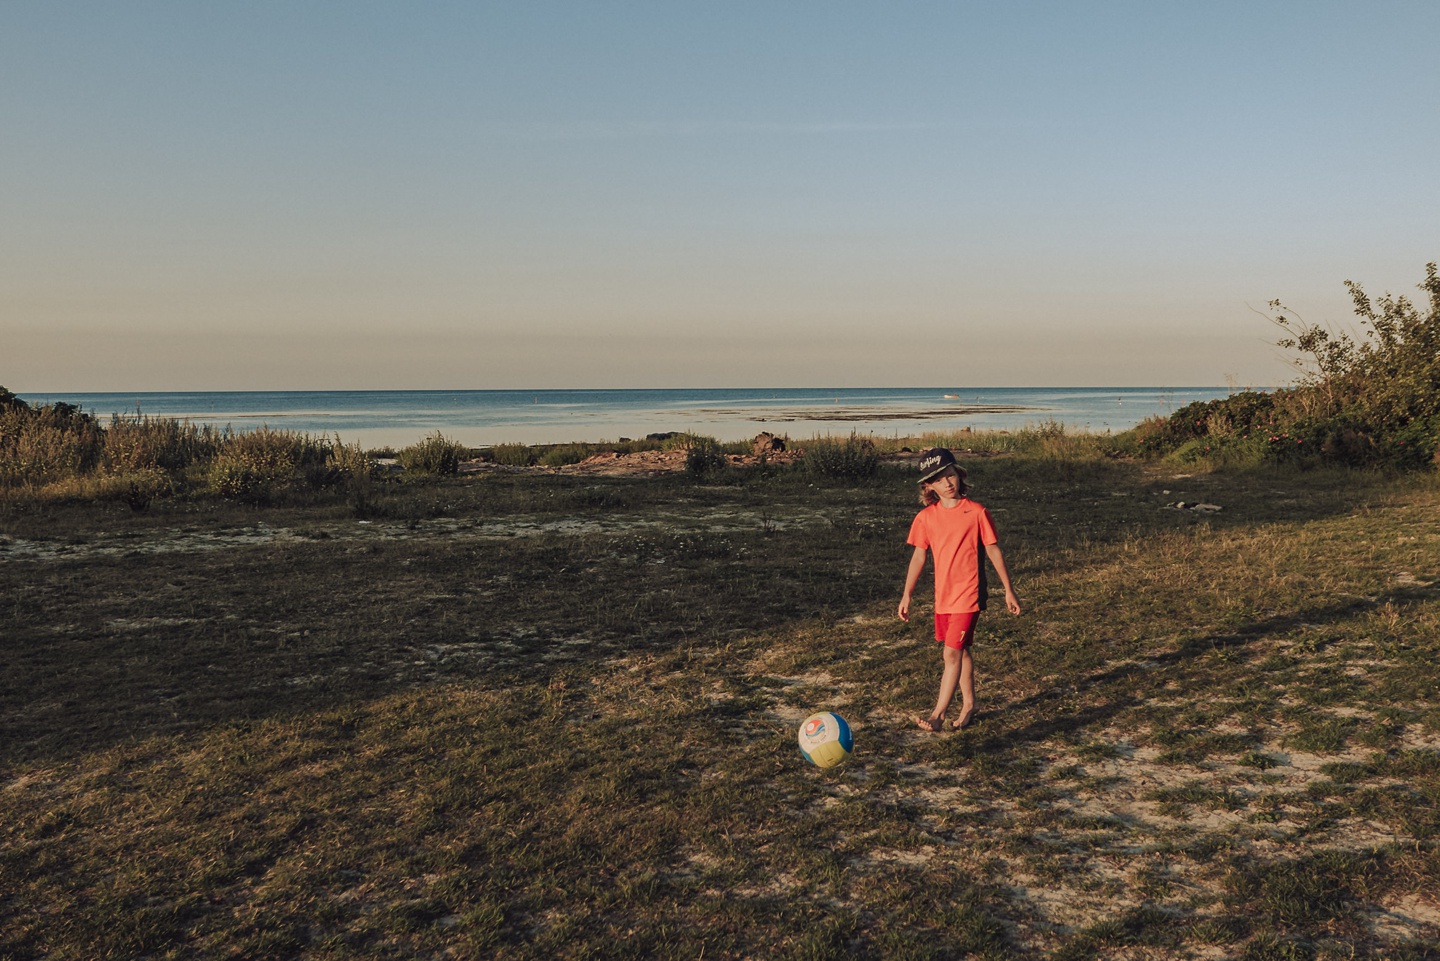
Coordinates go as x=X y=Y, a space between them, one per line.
x=825 y=739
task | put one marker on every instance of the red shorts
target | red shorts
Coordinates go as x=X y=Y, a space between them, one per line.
x=956 y=630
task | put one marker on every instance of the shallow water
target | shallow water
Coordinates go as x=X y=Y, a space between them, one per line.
x=483 y=417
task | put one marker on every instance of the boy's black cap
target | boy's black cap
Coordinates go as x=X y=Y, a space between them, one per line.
x=934 y=461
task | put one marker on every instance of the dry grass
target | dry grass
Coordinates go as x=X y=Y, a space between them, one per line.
x=541 y=716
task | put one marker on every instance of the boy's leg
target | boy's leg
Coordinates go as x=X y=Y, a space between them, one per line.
x=948 y=681
x=967 y=689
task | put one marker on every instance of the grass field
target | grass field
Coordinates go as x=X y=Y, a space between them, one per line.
x=542 y=716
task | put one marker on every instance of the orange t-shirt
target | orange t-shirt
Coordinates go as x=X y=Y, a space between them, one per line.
x=956 y=538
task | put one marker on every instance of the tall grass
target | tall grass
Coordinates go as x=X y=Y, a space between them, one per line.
x=436 y=454
x=704 y=457
x=1048 y=439
x=141 y=442
x=260 y=465
x=562 y=455
x=512 y=455
x=59 y=452
x=854 y=458
x=45 y=444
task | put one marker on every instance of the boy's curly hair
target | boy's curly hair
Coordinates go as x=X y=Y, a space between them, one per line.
x=928 y=497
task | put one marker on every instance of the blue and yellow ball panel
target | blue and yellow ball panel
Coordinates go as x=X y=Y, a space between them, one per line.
x=825 y=739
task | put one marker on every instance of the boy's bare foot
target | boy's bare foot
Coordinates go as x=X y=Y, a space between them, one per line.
x=966 y=718
x=931 y=724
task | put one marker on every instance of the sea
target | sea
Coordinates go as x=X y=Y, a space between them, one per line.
x=480 y=418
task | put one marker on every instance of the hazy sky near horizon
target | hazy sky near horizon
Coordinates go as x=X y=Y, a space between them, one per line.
x=360 y=195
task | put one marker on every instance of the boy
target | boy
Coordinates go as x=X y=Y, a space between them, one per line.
x=957 y=531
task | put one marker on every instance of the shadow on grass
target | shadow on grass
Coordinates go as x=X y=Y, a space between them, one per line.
x=1156 y=671
x=106 y=649
x=102 y=650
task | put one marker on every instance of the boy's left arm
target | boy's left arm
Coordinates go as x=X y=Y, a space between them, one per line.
x=997 y=558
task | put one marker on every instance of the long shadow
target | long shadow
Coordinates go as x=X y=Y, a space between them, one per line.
x=1159 y=667
x=102 y=650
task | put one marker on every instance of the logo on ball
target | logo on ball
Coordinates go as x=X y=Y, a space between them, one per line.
x=825 y=739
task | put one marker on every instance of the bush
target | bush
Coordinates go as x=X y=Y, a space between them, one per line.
x=43 y=444
x=704 y=456
x=512 y=455
x=1366 y=403
x=143 y=486
x=854 y=459
x=144 y=443
x=436 y=454
x=260 y=465
x=562 y=455
x=357 y=472
x=138 y=458
x=350 y=459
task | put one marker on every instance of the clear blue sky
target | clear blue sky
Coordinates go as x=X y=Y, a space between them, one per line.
x=457 y=195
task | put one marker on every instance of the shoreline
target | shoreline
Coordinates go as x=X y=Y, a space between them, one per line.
x=477 y=419
x=853 y=414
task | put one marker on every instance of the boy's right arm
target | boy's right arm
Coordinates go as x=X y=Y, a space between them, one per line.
x=912 y=577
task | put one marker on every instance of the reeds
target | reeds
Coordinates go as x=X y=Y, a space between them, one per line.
x=854 y=458
x=704 y=457
x=45 y=444
x=141 y=442
x=512 y=455
x=260 y=465
x=60 y=452
x=436 y=454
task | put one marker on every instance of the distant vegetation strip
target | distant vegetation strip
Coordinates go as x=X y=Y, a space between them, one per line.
x=1360 y=402
x=1367 y=402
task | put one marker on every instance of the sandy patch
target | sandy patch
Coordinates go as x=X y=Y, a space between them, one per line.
x=716 y=521
x=20 y=549
x=1412 y=917
x=896 y=856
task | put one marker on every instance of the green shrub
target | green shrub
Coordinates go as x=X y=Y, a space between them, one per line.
x=627 y=445
x=1143 y=440
x=853 y=459
x=704 y=456
x=357 y=472
x=1050 y=440
x=143 y=486
x=1366 y=403
x=350 y=459
x=436 y=454
x=562 y=455
x=259 y=466
x=233 y=477
x=513 y=455
x=683 y=441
